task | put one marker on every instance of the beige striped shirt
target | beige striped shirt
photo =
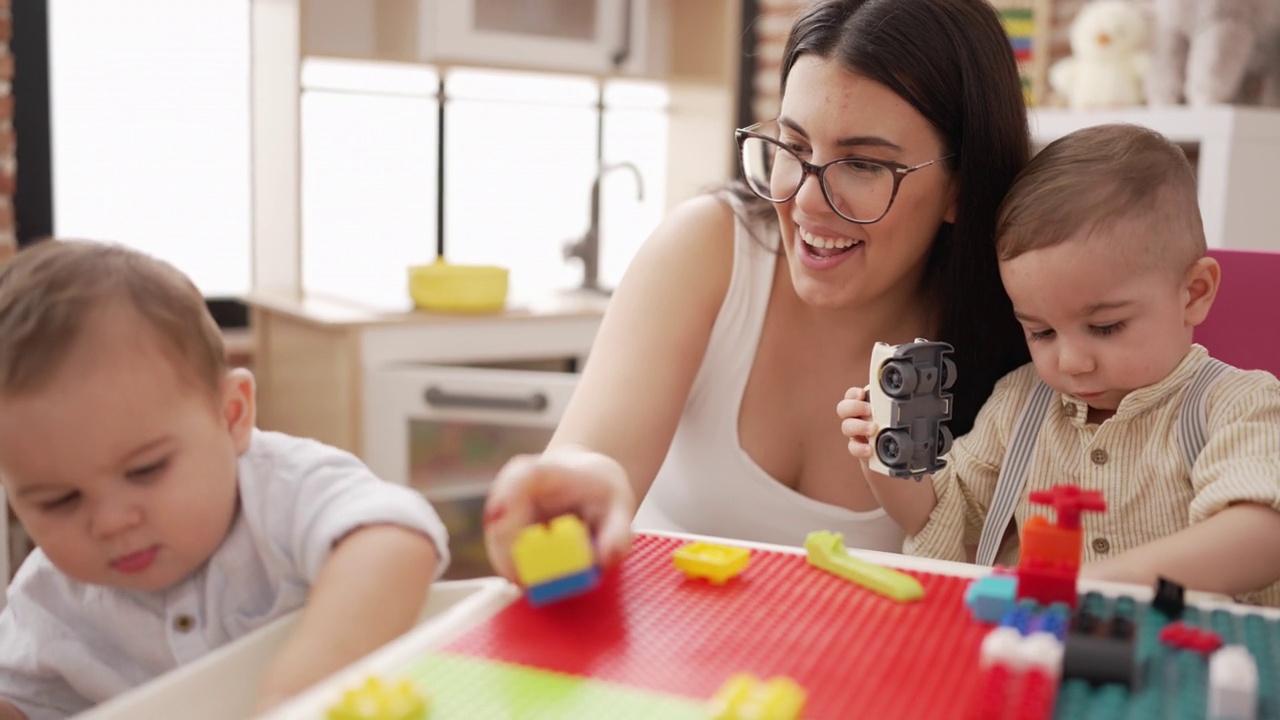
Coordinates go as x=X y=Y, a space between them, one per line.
x=1134 y=459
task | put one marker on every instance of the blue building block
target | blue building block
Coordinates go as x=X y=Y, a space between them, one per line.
x=1019 y=618
x=1053 y=621
x=990 y=597
x=563 y=587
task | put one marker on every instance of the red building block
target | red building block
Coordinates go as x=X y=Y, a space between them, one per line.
x=988 y=698
x=1069 y=502
x=1185 y=637
x=1047 y=582
x=1035 y=698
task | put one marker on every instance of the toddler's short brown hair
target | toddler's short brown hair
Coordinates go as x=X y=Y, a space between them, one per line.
x=50 y=290
x=1099 y=176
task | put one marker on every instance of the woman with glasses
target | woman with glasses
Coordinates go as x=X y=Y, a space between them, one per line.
x=866 y=213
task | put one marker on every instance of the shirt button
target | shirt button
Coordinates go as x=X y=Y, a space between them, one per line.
x=1099 y=457
x=1102 y=546
x=184 y=623
x=1069 y=410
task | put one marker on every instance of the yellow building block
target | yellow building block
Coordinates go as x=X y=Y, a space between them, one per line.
x=716 y=563
x=826 y=550
x=542 y=553
x=744 y=697
x=376 y=700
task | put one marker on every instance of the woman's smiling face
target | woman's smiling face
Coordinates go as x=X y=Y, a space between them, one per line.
x=829 y=113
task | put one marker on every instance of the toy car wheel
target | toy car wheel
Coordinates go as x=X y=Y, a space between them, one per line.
x=944 y=440
x=898 y=378
x=948 y=374
x=893 y=447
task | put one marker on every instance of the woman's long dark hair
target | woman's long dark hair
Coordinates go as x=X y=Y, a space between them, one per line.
x=952 y=61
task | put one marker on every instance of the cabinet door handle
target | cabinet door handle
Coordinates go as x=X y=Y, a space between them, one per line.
x=439 y=397
x=624 y=50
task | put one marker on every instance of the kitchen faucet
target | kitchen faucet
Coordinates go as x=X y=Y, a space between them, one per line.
x=588 y=247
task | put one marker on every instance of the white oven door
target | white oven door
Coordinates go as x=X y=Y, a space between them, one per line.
x=446 y=431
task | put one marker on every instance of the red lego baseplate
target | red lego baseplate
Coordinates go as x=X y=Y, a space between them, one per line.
x=857 y=653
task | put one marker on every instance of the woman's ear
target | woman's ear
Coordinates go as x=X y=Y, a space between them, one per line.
x=1201 y=286
x=239 y=410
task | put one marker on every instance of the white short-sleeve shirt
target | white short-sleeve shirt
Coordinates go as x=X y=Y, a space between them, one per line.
x=66 y=646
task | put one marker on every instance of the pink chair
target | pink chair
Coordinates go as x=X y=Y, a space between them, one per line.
x=1242 y=329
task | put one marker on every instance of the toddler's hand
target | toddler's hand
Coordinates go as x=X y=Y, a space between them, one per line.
x=855 y=422
x=536 y=488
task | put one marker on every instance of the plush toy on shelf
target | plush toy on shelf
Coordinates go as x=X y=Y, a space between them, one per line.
x=1108 y=57
x=1213 y=51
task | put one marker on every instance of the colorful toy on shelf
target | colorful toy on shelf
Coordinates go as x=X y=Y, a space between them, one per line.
x=744 y=697
x=377 y=700
x=556 y=560
x=826 y=550
x=910 y=407
x=716 y=563
x=1108 y=57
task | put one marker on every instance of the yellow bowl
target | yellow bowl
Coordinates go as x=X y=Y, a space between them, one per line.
x=458 y=288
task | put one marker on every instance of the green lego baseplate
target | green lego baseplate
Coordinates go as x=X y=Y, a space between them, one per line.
x=1172 y=683
x=467 y=688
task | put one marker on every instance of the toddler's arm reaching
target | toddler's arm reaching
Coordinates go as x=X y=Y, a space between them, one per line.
x=1234 y=552
x=370 y=590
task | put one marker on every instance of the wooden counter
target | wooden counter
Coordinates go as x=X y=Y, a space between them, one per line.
x=312 y=353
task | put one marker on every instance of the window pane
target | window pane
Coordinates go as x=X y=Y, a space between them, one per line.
x=635 y=131
x=520 y=154
x=368 y=178
x=150 y=130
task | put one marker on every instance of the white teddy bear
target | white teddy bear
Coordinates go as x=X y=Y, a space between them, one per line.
x=1108 y=60
x=1205 y=50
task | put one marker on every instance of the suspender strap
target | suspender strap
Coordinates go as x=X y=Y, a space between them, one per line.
x=1013 y=472
x=1193 y=421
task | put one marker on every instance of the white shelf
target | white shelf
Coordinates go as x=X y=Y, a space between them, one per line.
x=1238 y=161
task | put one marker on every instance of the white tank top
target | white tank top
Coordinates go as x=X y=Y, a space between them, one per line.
x=708 y=484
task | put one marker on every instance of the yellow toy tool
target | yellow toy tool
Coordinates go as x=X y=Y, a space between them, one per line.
x=826 y=550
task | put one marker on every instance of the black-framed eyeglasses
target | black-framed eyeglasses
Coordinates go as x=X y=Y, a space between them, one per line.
x=860 y=190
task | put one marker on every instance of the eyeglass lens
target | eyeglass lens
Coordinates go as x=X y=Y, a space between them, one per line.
x=858 y=190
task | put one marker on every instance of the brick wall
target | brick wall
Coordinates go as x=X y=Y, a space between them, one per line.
x=8 y=164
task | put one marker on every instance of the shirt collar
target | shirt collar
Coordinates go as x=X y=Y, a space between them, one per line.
x=1144 y=397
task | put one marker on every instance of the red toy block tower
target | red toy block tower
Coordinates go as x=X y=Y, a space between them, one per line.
x=1050 y=557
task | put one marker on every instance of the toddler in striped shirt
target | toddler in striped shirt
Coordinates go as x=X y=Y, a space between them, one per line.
x=1102 y=252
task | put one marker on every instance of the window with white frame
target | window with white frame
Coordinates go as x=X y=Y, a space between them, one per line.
x=150 y=126
x=521 y=152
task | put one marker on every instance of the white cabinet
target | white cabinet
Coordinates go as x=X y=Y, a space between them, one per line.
x=382 y=385
x=1236 y=152
x=446 y=431
x=616 y=37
